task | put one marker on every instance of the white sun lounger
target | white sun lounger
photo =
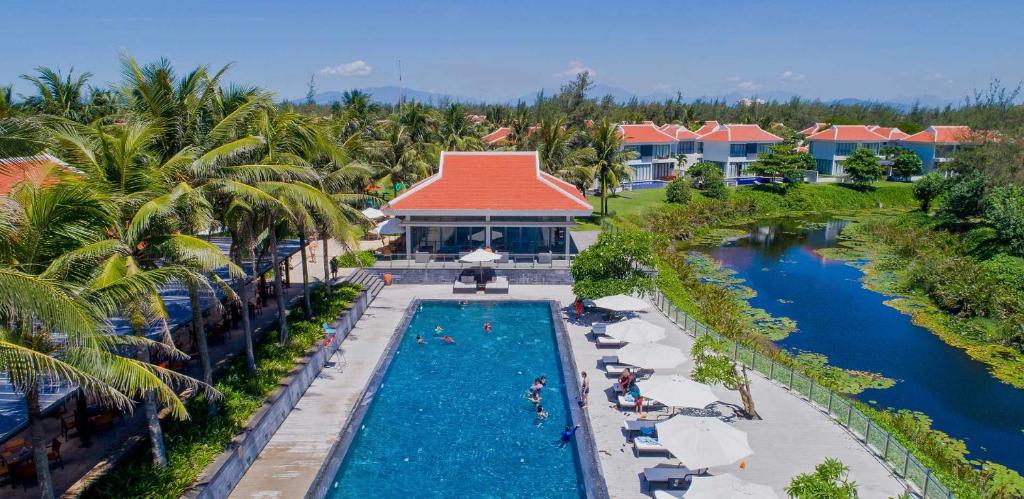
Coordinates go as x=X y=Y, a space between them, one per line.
x=641 y=446
x=666 y=474
x=461 y=287
x=598 y=328
x=631 y=425
x=616 y=369
x=498 y=285
x=648 y=403
x=608 y=341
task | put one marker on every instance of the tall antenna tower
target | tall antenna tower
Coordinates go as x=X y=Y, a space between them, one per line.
x=401 y=88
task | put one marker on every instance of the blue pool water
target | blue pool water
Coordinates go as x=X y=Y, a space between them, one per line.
x=453 y=420
x=838 y=317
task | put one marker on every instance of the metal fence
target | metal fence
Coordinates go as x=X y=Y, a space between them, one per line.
x=878 y=440
x=875 y=438
x=451 y=261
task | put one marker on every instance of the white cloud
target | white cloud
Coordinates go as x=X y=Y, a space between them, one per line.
x=791 y=77
x=749 y=86
x=575 y=68
x=354 y=68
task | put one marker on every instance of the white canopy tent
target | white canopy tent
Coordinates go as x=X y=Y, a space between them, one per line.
x=651 y=356
x=634 y=331
x=677 y=391
x=703 y=442
x=621 y=303
x=727 y=485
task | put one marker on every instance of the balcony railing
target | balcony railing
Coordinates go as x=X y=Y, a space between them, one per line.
x=451 y=261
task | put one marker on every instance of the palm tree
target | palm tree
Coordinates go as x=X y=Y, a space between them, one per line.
x=58 y=95
x=395 y=156
x=456 y=132
x=609 y=161
x=561 y=156
x=49 y=239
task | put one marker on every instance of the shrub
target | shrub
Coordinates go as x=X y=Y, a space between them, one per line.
x=829 y=479
x=965 y=197
x=356 y=259
x=614 y=265
x=906 y=164
x=708 y=177
x=928 y=188
x=678 y=191
x=1004 y=211
x=862 y=167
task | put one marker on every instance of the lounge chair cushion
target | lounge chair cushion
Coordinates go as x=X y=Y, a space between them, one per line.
x=647 y=444
x=607 y=341
x=667 y=473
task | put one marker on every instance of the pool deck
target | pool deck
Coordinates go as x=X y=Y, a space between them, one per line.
x=791 y=439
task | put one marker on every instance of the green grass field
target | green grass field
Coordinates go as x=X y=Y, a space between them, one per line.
x=624 y=203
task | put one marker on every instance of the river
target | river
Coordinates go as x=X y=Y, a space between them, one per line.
x=851 y=325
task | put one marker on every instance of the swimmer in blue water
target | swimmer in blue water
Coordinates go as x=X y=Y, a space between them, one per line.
x=541 y=413
x=438 y=330
x=567 y=434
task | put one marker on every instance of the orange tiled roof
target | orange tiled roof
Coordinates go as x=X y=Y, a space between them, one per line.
x=499 y=135
x=42 y=170
x=645 y=133
x=858 y=133
x=480 y=183
x=740 y=133
x=679 y=132
x=891 y=133
x=942 y=135
x=708 y=127
x=813 y=129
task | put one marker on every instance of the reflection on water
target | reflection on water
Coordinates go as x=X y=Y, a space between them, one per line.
x=851 y=325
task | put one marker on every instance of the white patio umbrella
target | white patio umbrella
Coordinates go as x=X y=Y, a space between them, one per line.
x=389 y=227
x=677 y=391
x=373 y=213
x=480 y=256
x=703 y=442
x=727 y=485
x=651 y=356
x=621 y=303
x=634 y=331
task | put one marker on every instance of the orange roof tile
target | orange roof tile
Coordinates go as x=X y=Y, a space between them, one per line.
x=891 y=133
x=942 y=135
x=679 y=132
x=858 y=133
x=42 y=170
x=813 y=129
x=708 y=127
x=499 y=135
x=487 y=183
x=739 y=133
x=645 y=133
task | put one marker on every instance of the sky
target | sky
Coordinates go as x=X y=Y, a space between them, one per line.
x=865 y=49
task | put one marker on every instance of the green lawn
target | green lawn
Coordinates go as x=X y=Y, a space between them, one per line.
x=624 y=203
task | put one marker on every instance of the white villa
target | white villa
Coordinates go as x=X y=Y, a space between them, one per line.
x=831 y=146
x=687 y=144
x=499 y=200
x=655 y=147
x=735 y=147
x=937 y=144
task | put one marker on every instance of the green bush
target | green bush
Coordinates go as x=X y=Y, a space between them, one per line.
x=708 y=177
x=1004 y=211
x=614 y=265
x=928 y=188
x=356 y=259
x=678 y=191
x=195 y=443
x=965 y=197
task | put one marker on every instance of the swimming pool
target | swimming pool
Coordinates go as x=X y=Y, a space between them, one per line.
x=452 y=420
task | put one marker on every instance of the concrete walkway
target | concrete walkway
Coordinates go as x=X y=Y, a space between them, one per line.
x=791 y=438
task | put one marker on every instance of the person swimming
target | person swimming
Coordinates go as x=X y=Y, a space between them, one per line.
x=534 y=393
x=419 y=340
x=438 y=329
x=541 y=413
x=567 y=435
x=487 y=327
x=448 y=339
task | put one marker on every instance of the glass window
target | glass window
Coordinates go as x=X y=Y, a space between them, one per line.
x=687 y=147
x=646 y=150
x=737 y=150
x=845 y=148
x=661 y=150
x=824 y=166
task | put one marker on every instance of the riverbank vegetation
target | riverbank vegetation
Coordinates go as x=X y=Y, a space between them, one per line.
x=194 y=444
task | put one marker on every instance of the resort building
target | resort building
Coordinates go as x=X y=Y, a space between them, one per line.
x=937 y=144
x=831 y=146
x=813 y=129
x=735 y=147
x=892 y=134
x=656 y=151
x=499 y=200
x=708 y=127
x=687 y=144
